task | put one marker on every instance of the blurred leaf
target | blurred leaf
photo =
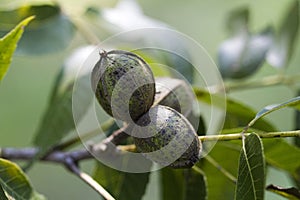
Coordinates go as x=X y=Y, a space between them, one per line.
x=2 y=194
x=9 y=4
x=37 y=196
x=51 y=31
x=122 y=185
x=238 y=20
x=171 y=183
x=174 y=93
x=80 y=7
x=297 y=120
x=297 y=125
x=8 y=45
x=282 y=50
x=282 y=155
x=157 y=69
x=198 y=123
x=243 y=54
x=179 y=63
x=15 y=183
x=201 y=127
x=168 y=54
x=289 y=193
x=195 y=184
x=251 y=173
x=237 y=111
x=296 y=178
x=294 y=102
x=183 y=184
x=57 y=121
x=218 y=185
x=170 y=49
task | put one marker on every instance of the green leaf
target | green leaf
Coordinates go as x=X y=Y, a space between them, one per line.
x=179 y=63
x=50 y=32
x=15 y=182
x=289 y=193
x=238 y=20
x=236 y=111
x=169 y=56
x=8 y=44
x=279 y=153
x=2 y=194
x=57 y=121
x=295 y=103
x=296 y=178
x=198 y=123
x=171 y=183
x=121 y=185
x=251 y=173
x=282 y=50
x=37 y=196
x=282 y=155
x=297 y=125
x=195 y=184
x=218 y=185
x=183 y=184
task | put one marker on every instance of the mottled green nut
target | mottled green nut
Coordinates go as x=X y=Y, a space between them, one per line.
x=166 y=137
x=124 y=85
x=174 y=93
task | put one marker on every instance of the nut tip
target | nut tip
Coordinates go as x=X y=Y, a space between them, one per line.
x=103 y=53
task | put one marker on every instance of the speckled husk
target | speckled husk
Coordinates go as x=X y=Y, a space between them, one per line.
x=110 y=69
x=167 y=138
x=174 y=93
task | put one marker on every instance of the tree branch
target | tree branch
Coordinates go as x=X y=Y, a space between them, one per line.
x=83 y=154
x=76 y=139
x=69 y=159
x=238 y=136
x=56 y=156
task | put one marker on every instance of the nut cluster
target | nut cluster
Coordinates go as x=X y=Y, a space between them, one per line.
x=125 y=87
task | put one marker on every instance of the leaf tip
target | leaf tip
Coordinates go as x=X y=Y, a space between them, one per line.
x=27 y=20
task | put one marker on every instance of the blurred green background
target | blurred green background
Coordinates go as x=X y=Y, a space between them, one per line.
x=25 y=90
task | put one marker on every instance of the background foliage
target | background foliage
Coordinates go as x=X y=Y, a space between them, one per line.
x=28 y=86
